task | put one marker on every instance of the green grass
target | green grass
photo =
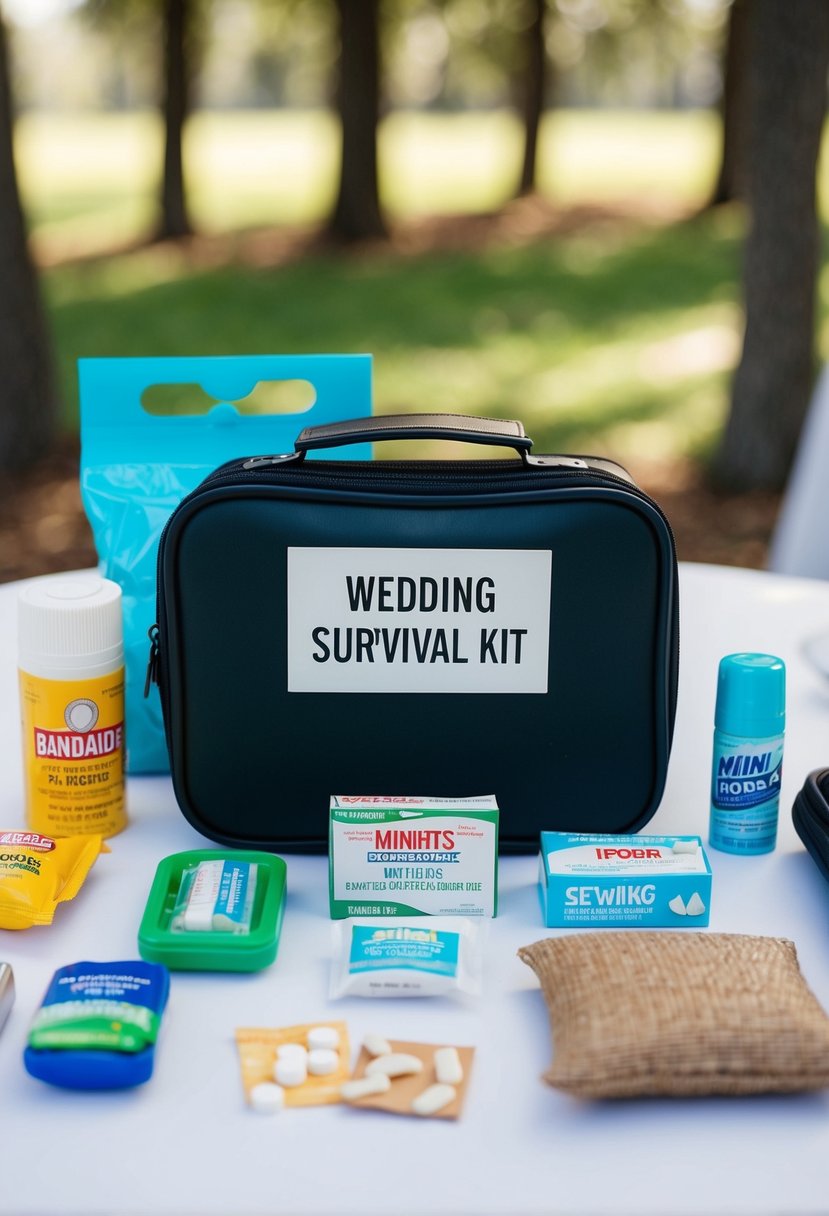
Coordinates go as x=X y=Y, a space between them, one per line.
x=617 y=338
x=84 y=175
x=600 y=340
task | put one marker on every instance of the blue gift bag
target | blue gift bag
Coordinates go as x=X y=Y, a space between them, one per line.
x=137 y=466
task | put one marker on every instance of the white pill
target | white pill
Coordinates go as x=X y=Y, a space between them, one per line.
x=377 y=1083
x=376 y=1045
x=290 y=1071
x=267 y=1098
x=398 y=1064
x=323 y=1036
x=434 y=1099
x=695 y=906
x=448 y=1067
x=322 y=1061
x=685 y=846
x=291 y=1049
x=676 y=905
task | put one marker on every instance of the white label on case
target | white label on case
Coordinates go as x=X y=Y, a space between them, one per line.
x=418 y=620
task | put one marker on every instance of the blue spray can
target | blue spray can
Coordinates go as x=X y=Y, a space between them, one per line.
x=749 y=724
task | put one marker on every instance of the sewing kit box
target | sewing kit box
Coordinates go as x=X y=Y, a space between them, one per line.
x=614 y=882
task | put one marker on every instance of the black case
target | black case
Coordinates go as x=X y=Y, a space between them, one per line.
x=580 y=555
x=810 y=815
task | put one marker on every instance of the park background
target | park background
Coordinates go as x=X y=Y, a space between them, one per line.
x=556 y=210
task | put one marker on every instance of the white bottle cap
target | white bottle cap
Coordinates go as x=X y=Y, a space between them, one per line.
x=70 y=627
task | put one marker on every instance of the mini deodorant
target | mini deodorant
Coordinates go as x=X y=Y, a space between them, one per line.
x=748 y=753
x=71 y=659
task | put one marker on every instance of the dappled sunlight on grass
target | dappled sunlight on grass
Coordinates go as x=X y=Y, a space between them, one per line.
x=90 y=180
x=629 y=356
x=607 y=322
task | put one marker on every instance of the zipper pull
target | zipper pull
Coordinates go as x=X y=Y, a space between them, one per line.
x=258 y=462
x=152 y=661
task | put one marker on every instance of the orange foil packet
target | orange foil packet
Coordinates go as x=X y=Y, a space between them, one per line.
x=39 y=872
x=257 y=1057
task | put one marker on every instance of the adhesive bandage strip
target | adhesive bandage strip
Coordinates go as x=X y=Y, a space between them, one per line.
x=415 y=1075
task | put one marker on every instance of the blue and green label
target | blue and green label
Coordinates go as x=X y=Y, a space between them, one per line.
x=101 y=1007
x=374 y=949
x=745 y=793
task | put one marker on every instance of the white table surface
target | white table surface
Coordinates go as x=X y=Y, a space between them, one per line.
x=186 y=1143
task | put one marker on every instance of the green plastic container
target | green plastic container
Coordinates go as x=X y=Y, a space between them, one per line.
x=211 y=950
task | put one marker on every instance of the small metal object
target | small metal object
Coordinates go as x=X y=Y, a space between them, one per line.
x=6 y=992
x=257 y=462
x=557 y=462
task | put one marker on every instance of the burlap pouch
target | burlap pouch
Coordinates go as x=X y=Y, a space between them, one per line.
x=636 y=1014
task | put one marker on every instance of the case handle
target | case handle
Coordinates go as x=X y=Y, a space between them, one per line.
x=496 y=432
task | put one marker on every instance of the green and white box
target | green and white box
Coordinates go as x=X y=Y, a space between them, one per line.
x=413 y=856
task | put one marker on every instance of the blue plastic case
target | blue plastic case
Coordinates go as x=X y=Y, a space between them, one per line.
x=82 y=1068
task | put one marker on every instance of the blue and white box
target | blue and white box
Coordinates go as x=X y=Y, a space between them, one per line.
x=619 y=882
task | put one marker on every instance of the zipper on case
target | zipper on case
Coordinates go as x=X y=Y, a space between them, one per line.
x=152 y=661
x=415 y=476
x=535 y=462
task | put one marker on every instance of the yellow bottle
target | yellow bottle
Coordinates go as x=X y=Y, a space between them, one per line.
x=71 y=658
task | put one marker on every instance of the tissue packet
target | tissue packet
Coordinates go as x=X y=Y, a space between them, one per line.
x=415 y=956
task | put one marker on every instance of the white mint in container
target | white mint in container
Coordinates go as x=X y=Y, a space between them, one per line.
x=71 y=660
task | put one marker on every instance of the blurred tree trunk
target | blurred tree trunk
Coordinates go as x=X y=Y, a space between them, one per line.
x=533 y=87
x=787 y=102
x=175 y=220
x=357 y=215
x=28 y=414
x=733 y=107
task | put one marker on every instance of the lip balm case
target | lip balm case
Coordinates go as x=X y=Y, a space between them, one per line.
x=98 y=1070
x=810 y=815
x=214 y=951
x=578 y=742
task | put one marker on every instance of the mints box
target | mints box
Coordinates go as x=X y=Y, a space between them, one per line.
x=413 y=856
x=615 y=882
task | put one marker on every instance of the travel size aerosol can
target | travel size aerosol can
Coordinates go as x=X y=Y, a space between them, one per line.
x=71 y=659
x=748 y=753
